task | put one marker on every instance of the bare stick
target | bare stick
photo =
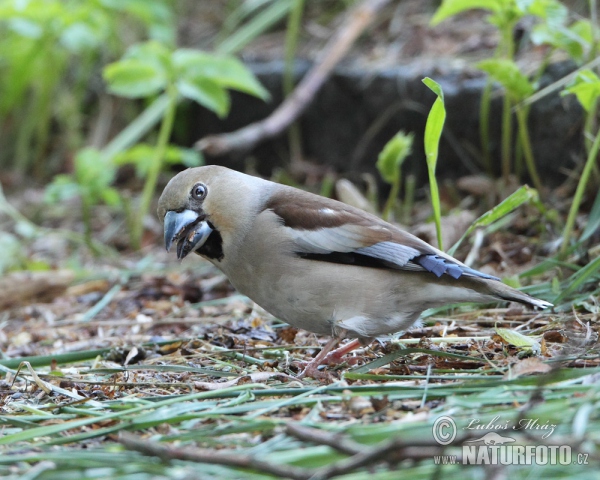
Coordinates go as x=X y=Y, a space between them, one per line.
x=321 y=437
x=293 y=106
x=233 y=459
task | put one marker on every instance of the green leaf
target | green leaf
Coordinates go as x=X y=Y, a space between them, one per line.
x=152 y=52
x=226 y=71
x=559 y=37
x=433 y=133
x=26 y=28
x=586 y=87
x=507 y=73
x=393 y=155
x=134 y=78
x=191 y=157
x=80 y=37
x=523 y=195
x=141 y=156
x=552 y=11
x=517 y=339
x=93 y=173
x=111 y=197
x=207 y=93
x=63 y=187
x=449 y=8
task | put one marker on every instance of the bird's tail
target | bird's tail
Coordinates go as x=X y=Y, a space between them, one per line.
x=500 y=290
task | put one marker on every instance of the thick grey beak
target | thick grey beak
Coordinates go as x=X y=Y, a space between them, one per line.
x=185 y=229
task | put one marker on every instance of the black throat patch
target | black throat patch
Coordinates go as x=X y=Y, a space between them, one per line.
x=213 y=247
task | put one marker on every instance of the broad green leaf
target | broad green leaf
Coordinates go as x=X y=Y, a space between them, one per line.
x=110 y=196
x=449 y=8
x=226 y=71
x=552 y=11
x=523 y=195
x=191 y=157
x=152 y=53
x=26 y=28
x=507 y=73
x=207 y=93
x=433 y=133
x=93 y=173
x=134 y=78
x=517 y=339
x=562 y=38
x=63 y=187
x=141 y=156
x=586 y=87
x=393 y=155
x=583 y=30
x=80 y=37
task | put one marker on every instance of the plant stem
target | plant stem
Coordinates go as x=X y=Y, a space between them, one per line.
x=506 y=138
x=528 y=151
x=164 y=134
x=291 y=44
x=409 y=198
x=391 y=200
x=484 y=125
x=508 y=47
x=590 y=120
x=594 y=22
x=86 y=216
x=587 y=169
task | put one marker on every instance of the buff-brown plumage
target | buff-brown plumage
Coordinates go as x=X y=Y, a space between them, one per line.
x=316 y=263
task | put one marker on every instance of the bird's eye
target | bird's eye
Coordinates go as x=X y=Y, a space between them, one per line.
x=199 y=191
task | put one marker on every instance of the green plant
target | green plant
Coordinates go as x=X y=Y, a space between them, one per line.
x=518 y=88
x=48 y=53
x=523 y=195
x=433 y=133
x=151 y=68
x=251 y=19
x=551 y=30
x=389 y=165
x=586 y=87
x=291 y=43
x=91 y=181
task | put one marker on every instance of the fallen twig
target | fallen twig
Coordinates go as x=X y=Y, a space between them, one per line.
x=233 y=459
x=321 y=437
x=293 y=106
x=392 y=452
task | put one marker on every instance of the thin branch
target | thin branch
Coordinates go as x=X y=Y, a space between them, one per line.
x=295 y=104
x=321 y=437
x=154 y=449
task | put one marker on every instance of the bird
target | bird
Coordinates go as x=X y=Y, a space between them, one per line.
x=316 y=263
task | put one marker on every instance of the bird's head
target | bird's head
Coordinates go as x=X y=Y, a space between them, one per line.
x=200 y=206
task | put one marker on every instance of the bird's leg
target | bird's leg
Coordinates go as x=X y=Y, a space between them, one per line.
x=336 y=355
x=311 y=370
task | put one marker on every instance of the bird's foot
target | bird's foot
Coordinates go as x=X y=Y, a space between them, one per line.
x=311 y=370
x=336 y=356
x=328 y=357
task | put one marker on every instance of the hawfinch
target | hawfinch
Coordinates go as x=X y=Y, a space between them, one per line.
x=316 y=263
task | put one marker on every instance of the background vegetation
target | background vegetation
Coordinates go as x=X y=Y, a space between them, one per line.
x=118 y=363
